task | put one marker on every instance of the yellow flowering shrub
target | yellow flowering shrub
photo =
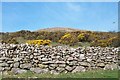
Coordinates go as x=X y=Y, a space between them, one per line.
x=104 y=42
x=68 y=39
x=39 y=42
x=81 y=37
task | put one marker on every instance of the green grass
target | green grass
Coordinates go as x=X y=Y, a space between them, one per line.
x=88 y=74
x=0 y=76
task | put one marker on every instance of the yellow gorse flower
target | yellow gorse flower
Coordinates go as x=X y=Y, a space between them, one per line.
x=39 y=42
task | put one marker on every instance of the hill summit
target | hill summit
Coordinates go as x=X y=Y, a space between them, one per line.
x=61 y=29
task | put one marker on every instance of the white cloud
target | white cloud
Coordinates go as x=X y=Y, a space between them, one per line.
x=73 y=7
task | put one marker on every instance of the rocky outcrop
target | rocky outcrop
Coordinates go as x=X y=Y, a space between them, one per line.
x=41 y=59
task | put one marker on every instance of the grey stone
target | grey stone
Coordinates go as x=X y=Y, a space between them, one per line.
x=62 y=65
x=73 y=63
x=85 y=64
x=59 y=69
x=31 y=56
x=37 y=70
x=89 y=60
x=18 y=71
x=26 y=66
x=111 y=67
x=68 y=68
x=82 y=56
x=1 y=69
x=16 y=65
x=79 y=69
x=36 y=54
x=24 y=52
x=53 y=65
x=3 y=58
x=70 y=59
x=48 y=62
x=7 y=68
x=17 y=59
x=109 y=57
x=9 y=62
x=54 y=72
x=101 y=65
x=4 y=64
x=44 y=59
x=60 y=62
x=42 y=66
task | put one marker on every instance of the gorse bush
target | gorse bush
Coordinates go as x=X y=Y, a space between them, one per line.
x=81 y=37
x=69 y=39
x=39 y=42
x=105 y=42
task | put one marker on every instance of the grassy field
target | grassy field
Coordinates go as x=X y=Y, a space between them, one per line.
x=88 y=74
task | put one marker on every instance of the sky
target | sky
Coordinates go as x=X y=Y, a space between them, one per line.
x=94 y=16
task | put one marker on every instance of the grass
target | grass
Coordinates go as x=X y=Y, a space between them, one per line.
x=0 y=76
x=88 y=74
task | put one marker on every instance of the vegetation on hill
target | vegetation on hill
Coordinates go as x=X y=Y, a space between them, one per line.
x=73 y=38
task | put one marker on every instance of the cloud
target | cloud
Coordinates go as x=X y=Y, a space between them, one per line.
x=74 y=7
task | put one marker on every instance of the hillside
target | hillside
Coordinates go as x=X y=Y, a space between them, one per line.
x=66 y=36
x=61 y=29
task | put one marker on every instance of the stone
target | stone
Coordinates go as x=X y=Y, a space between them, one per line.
x=73 y=63
x=109 y=57
x=37 y=70
x=31 y=56
x=36 y=61
x=17 y=59
x=48 y=62
x=4 y=64
x=68 y=68
x=62 y=65
x=57 y=59
x=59 y=69
x=107 y=67
x=16 y=65
x=7 y=68
x=36 y=54
x=13 y=47
x=26 y=66
x=54 y=72
x=18 y=71
x=53 y=65
x=10 y=62
x=45 y=70
x=3 y=58
x=70 y=59
x=44 y=59
x=89 y=60
x=4 y=73
x=85 y=64
x=110 y=66
x=82 y=56
x=42 y=66
x=114 y=66
x=79 y=69
x=24 y=52
x=60 y=62
x=1 y=69
x=1 y=61
x=101 y=65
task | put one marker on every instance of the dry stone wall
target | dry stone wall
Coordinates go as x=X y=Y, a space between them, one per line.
x=42 y=59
